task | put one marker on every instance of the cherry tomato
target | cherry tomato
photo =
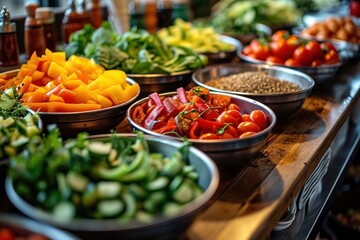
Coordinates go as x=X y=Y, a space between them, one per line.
x=233 y=106
x=236 y=114
x=259 y=50
x=246 y=118
x=227 y=118
x=226 y=135
x=274 y=59
x=281 y=49
x=259 y=117
x=199 y=91
x=303 y=56
x=246 y=134
x=221 y=100
x=315 y=48
x=247 y=127
x=6 y=234
x=232 y=131
x=326 y=47
x=332 y=57
x=246 y=50
x=280 y=35
x=291 y=63
x=209 y=136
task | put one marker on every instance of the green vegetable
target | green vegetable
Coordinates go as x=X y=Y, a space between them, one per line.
x=17 y=125
x=135 y=51
x=113 y=177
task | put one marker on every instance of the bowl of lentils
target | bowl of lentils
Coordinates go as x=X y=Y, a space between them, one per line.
x=282 y=89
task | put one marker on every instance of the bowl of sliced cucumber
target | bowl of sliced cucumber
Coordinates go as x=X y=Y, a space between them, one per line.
x=134 y=185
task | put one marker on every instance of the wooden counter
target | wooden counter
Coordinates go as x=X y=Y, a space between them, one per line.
x=252 y=199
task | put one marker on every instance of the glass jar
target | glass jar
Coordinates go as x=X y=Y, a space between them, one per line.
x=47 y=17
x=9 y=49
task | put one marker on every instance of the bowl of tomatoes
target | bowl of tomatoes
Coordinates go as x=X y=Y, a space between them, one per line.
x=216 y=123
x=320 y=60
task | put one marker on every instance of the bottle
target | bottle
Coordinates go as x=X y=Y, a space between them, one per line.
x=47 y=16
x=137 y=14
x=164 y=11
x=150 y=15
x=72 y=21
x=95 y=13
x=9 y=48
x=34 y=36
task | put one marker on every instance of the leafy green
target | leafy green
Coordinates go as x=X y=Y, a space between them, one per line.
x=135 y=51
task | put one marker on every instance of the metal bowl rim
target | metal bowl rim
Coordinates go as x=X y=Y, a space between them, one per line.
x=265 y=131
x=260 y=66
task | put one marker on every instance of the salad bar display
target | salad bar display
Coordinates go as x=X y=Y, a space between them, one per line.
x=141 y=135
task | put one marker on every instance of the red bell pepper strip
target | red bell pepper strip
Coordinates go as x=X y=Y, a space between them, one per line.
x=169 y=127
x=210 y=125
x=182 y=95
x=210 y=114
x=171 y=105
x=138 y=114
x=155 y=113
x=194 y=132
x=156 y=98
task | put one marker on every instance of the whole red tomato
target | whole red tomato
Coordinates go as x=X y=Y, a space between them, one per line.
x=274 y=59
x=246 y=50
x=244 y=127
x=326 y=46
x=259 y=117
x=259 y=50
x=281 y=34
x=332 y=57
x=281 y=49
x=303 y=56
x=315 y=48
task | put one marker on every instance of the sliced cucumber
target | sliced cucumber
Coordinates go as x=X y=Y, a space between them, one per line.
x=110 y=208
x=64 y=211
x=76 y=181
x=108 y=189
x=99 y=149
x=157 y=184
x=184 y=193
x=7 y=122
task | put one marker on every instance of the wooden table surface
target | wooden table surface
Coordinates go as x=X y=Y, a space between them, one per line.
x=251 y=199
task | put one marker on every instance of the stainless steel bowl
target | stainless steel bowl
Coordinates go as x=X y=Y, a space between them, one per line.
x=320 y=74
x=225 y=56
x=283 y=104
x=161 y=82
x=160 y=227
x=219 y=149
x=25 y=227
x=93 y=122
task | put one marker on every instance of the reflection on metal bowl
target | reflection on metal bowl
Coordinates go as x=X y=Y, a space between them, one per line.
x=218 y=149
x=160 y=226
x=320 y=74
x=150 y=83
x=283 y=104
